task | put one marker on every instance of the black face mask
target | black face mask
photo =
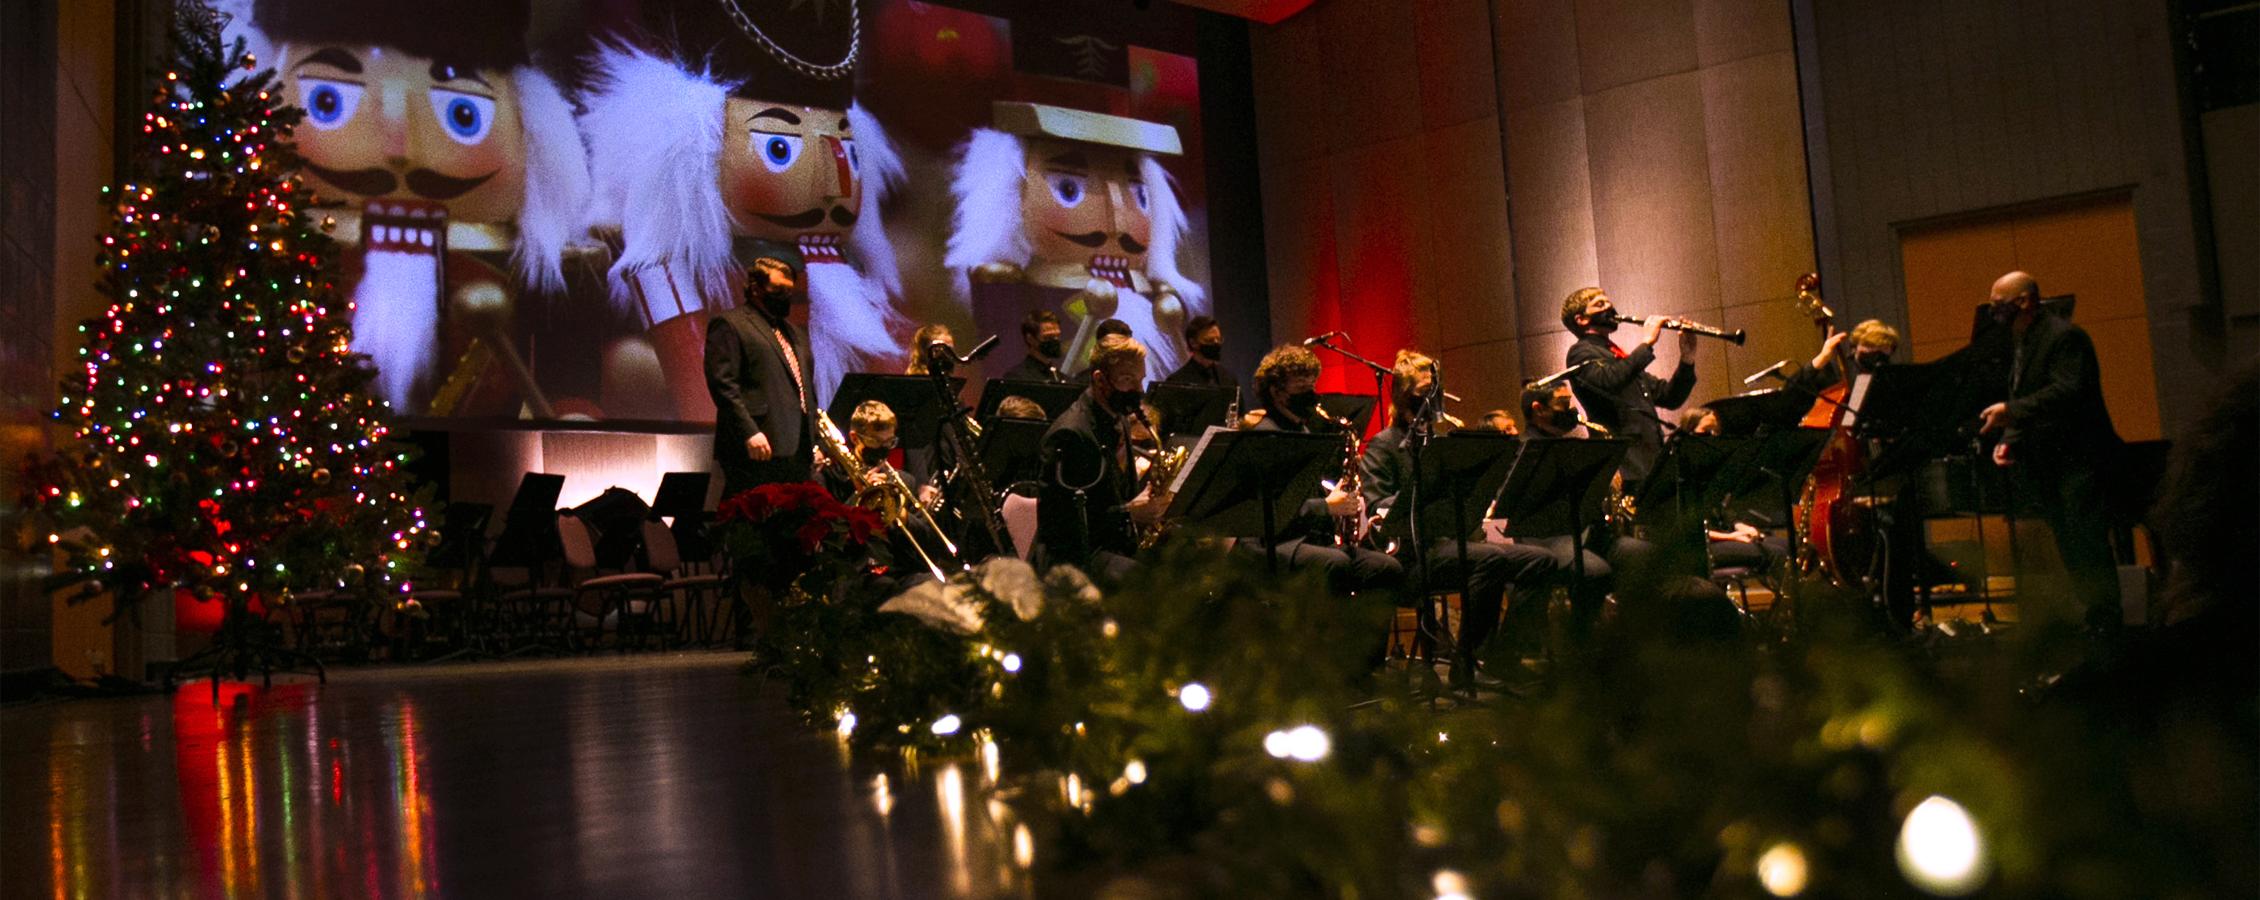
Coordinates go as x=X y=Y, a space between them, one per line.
x=1210 y=352
x=1606 y=321
x=1050 y=348
x=2002 y=313
x=777 y=304
x=1303 y=405
x=1125 y=403
x=1870 y=362
x=873 y=456
x=1563 y=419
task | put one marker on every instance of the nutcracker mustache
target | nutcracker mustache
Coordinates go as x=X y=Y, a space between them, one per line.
x=1097 y=239
x=841 y=216
x=378 y=182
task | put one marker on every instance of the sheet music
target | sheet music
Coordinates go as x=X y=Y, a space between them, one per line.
x=1193 y=460
x=1852 y=400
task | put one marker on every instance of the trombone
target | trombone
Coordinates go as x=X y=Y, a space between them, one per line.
x=891 y=497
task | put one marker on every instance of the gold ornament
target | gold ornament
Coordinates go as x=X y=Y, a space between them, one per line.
x=321 y=476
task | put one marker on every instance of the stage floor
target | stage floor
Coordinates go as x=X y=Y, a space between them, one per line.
x=637 y=776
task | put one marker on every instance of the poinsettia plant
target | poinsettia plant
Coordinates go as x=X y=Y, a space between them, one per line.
x=794 y=536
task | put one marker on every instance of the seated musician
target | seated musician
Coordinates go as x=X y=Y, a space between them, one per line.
x=920 y=464
x=1734 y=544
x=1873 y=343
x=1040 y=331
x=1551 y=412
x=1490 y=567
x=1286 y=383
x=871 y=436
x=1019 y=407
x=1089 y=495
x=1497 y=421
x=1205 y=365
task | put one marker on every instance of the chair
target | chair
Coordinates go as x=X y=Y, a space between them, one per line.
x=456 y=559
x=686 y=597
x=1020 y=522
x=625 y=600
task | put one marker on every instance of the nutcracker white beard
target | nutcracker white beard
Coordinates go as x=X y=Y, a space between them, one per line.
x=396 y=320
x=848 y=324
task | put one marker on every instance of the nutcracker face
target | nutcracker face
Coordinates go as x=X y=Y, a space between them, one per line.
x=1081 y=201
x=428 y=139
x=788 y=171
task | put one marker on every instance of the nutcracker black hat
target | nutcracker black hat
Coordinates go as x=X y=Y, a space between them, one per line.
x=490 y=34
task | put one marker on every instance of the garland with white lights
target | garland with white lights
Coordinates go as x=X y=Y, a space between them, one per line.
x=1196 y=725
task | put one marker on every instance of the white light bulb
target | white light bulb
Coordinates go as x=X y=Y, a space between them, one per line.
x=1940 y=849
x=1195 y=696
x=947 y=724
x=1308 y=744
x=1782 y=870
x=1276 y=744
x=1012 y=662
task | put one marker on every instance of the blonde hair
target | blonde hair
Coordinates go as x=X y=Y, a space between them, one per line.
x=1873 y=333
x=872 y=414
x=1114 y=350
x=925 y=335
x=1574 y=305
x=1019 y=407
x=1410 y=364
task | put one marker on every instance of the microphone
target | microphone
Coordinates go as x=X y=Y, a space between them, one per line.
x=981 y=349
x=1556 y=378
x=1774 y=369
x=1315 y=341
x=938 y=350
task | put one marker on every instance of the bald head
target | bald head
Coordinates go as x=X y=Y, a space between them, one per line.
x=2016 y=297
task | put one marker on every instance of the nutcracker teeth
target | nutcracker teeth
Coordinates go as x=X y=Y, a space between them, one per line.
x=424 y=236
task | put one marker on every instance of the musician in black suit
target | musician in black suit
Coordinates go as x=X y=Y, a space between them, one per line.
x=757 y=372
x=1040 y=331
x=1287 y=384
x=1205 y=365
x=1615 y=389
x=1387 y=465
x=2056 y=437
x=1089 y=496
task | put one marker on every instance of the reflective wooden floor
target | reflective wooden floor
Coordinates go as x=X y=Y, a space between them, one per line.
x=636 y=776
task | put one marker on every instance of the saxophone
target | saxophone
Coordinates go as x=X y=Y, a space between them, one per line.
x=1350 y=530
x=1160 y=471
x=891 y=497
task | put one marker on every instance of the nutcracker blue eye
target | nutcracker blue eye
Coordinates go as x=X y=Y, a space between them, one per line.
x=328 y=103
x=1138 y=195
x=777 y=151
x=1069 y=189
x=466 y=117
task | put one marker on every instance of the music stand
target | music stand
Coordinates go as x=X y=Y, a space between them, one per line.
x=1191 y=408
x=529 y=528
x=912 y=397
x=1356 y=409
x=682 y=497
x=1238 y=483
x=1054 y=397
x=1558 y=486
x=1742 y=415
x=1456 y=467
x=1012 y=450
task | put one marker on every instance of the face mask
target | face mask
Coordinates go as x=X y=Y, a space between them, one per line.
x=1564 y=419
x=1606 y=321
x=1125 y=402
x=777 y=303
x=1870 y=362
x=1210 y=352
x=873 y=456
x=2003 y=311
x=1050 y=348
x=1303 y=404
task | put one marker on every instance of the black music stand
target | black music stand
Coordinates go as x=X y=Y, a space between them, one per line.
x=1456 y=467
x=1191 y=408
x=1558 y=486
x=682 y=497
x=1742 y=415
x=1054 y=397
x=1356 y=409
x=916 y=406
x=1012 y=450
x=1238 y=483
x=529 y=527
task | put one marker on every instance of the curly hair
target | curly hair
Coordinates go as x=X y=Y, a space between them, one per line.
x=1114 y=350
x=1285 y=362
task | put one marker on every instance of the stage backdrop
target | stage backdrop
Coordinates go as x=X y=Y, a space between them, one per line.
x=547 y=202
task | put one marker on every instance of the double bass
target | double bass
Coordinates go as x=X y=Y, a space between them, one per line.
x=1836 y=527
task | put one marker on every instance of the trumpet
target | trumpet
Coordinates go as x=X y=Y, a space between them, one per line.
x=1737 y=335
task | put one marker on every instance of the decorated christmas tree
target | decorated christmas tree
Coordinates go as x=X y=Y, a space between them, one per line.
x=227 y=445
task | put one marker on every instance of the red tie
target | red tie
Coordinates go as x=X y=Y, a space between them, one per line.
x=792 y=364
x=1613 y=349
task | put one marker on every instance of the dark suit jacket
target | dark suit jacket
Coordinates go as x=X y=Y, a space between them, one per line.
x=1193 y=372
x=1622 y=397
x=2056 y=393
x=754 y=393
x=1029 y=368
x=1079 y=451
x=1312 y=520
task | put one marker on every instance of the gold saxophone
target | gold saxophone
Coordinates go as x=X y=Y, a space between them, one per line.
x=891 y=497
x=1350 y=530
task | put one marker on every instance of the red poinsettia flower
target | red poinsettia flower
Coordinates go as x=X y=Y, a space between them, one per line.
x=863 y=524
x=812 y=534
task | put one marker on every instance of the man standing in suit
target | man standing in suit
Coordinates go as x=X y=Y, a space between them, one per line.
x=2056 y=436
x=757 y=372
x=1040 y=331
x=1615 y=389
